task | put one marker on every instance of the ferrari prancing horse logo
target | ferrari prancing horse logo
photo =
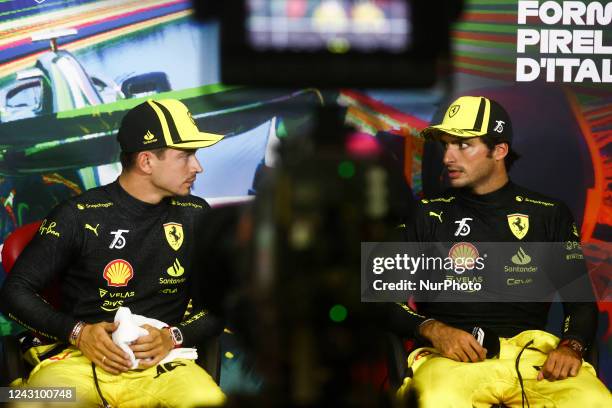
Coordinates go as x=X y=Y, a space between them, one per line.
x=452 y=111
x=519 y=224
x=174 y=234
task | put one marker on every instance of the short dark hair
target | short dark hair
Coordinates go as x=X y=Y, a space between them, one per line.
x=128 y=159
x=512 y=155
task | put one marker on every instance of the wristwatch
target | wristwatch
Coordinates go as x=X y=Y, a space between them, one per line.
x=177 y=336
x=574 y=345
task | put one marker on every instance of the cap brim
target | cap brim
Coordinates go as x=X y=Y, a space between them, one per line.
x=203 y=140
x=434 y=132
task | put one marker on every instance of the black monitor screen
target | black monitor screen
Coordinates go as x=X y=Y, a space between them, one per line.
x=334 y=43
x=336 y=26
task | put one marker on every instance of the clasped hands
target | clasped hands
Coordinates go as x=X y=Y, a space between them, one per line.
x=460 y=345
x=96 y=343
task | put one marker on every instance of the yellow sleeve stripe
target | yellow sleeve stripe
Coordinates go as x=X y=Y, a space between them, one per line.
x=409 y=310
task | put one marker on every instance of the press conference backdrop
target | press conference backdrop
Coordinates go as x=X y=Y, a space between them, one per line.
x=70 y=70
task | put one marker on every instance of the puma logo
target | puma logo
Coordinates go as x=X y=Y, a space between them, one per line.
x=95 y=230
x=439 y=216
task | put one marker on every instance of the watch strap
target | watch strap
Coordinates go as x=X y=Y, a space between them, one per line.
x=574 y=345
x=177 y=336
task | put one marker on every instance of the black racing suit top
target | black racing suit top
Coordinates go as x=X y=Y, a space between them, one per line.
x=438 y=220
x=109 y=249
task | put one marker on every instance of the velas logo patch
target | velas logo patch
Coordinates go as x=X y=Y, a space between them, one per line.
x=452 y=111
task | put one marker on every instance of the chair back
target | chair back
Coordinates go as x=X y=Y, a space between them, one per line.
x=16 y=242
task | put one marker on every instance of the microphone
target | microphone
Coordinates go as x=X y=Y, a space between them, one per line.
x=488 y=339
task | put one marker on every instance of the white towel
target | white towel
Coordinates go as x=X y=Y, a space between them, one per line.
x=129 y=331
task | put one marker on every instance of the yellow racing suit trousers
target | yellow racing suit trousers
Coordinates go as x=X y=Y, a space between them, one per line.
x=179 y=383
x=443 y=383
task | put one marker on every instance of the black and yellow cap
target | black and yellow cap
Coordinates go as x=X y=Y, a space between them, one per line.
x=162 y=123
x=472 y=116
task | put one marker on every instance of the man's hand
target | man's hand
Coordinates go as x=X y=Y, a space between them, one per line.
x=96 y=344
x=453 y=343
x=155 y=345
x=561 y=363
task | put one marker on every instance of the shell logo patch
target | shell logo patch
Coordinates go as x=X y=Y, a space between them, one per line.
x=464 y=251
x=118 y=272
